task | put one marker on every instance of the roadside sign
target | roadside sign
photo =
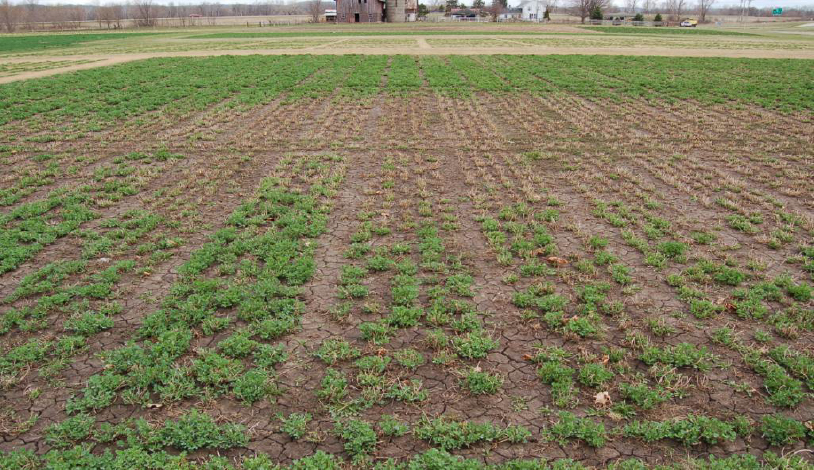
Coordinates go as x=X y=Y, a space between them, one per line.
x=777 y=12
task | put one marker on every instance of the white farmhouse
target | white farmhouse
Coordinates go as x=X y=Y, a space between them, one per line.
x=510 y=14
x=533 y=10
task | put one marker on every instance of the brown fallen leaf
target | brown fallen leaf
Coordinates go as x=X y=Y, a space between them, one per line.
x=602 y=398
x=557 y=261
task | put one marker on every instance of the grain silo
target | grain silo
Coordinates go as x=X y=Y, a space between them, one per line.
x=394 y=11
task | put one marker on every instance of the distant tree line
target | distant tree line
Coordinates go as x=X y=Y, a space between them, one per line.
x=27 y=14
x=23 y=15
x=672 y=10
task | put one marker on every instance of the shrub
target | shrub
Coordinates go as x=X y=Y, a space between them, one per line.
x=237 y=345
x=570 y=426
x=253 y=386
x=473 y=345
x=333 y=387
x=196 y=430
x=480 y=383
x=378 y=332
x=295 y=425
x=672 y=249
x=690 y=431
x=407 y=391
x=409 y=358
x=682 y=355
x=70 y=430
x=390 y=426
x=643 y=396
x=594 y=375
x=403 y=316
x=373 y=364
x=359 y=436
x=799 y=292
x=319 y=461
x=448 y=435
x=335 y=350
x=216 y=370
x=781 y=430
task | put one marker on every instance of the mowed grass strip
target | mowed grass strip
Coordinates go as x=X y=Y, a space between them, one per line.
x=339 y=32
x=663 y=31
x=31 y=43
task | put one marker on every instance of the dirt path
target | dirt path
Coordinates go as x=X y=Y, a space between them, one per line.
x=105 y=60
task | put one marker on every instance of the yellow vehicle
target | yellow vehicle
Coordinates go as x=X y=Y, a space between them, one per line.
x=689 y=23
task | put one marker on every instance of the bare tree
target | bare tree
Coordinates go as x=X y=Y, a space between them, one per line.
x=630 y=5
x=583 y=8
x=496 y=8
x=675 y=7
x=76 y=15
x=144 y=12
x=647 y=5
x=703 y=9
x=679 y=7
x=315 y=10
x=9 y=15
x=32 y=14
x=110 y=15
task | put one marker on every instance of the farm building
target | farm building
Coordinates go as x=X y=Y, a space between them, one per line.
x=374 y=11
x=510 y=14
x=533 y=10
x=464 y=13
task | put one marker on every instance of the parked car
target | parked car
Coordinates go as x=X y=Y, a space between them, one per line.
x=689 y=23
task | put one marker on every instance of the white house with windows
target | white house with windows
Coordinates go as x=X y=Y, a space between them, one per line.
x=533 y=10
x=510 y=14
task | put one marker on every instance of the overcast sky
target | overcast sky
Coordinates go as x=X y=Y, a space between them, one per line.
x=718 y=3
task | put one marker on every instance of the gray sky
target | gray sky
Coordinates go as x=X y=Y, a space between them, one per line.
x=718 y=3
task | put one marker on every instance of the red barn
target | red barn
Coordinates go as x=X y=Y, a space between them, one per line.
x=359 y=11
